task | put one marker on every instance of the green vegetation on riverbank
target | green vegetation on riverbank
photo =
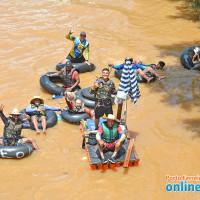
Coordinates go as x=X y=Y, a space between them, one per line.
x=188 y=9
x=195 y=4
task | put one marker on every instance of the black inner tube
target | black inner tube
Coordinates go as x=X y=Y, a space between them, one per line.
x=87 y=98
x=80 y=67
x=48 y=83
x=186 y=59
x=86 y=94
x=20 y=151
x=87 y=102
x=74 y=118
x=51 y=118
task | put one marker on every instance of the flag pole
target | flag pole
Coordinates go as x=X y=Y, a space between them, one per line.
x=125 y=111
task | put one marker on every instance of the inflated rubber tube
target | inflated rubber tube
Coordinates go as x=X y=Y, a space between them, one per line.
x=118 y=74
x=186 y=58
x=51 y=118
x=48 y=84
x=87 y=102
x=80 y=67
x=74 y=118
x=20 y=151
x=86 y=94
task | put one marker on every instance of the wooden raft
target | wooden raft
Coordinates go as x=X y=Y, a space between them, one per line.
x=126 y=157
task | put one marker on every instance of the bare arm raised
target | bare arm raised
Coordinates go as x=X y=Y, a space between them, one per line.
x=4 y=119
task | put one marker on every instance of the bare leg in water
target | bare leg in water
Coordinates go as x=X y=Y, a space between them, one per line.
x=149 y=69
x=35 y=123
x=32 y=141
x=142 y=73
x=44 y=124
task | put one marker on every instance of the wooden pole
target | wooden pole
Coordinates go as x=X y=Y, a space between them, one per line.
x=119 y=111
x=125 y=112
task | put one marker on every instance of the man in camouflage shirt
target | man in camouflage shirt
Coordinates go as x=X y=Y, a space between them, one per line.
x=12 y=129
x=103 y=88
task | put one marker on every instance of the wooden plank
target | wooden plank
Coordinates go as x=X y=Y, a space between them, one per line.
x=128 y=153
x=137 y=160
x=88 y=154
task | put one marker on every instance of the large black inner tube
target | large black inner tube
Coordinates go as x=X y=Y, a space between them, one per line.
x=87 y=102
x=20 y=151
x=74 y=118
x=51 y=118
x=86 y=94
x=118 y=74
x=48 y=83
x=88 y=98
x=80 y=67
x=186 y=58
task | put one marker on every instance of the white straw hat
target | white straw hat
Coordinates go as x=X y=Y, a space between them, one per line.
x=111 y=117
x=37 y=97
x=15 y=112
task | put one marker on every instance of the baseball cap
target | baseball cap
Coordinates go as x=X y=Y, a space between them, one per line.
x=68 y=63
x=83 y=33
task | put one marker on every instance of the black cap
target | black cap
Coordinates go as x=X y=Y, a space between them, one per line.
x=68 y=63
x=83 y=33
x=130 y=59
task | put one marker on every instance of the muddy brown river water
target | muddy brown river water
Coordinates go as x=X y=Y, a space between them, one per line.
x=167 y=116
